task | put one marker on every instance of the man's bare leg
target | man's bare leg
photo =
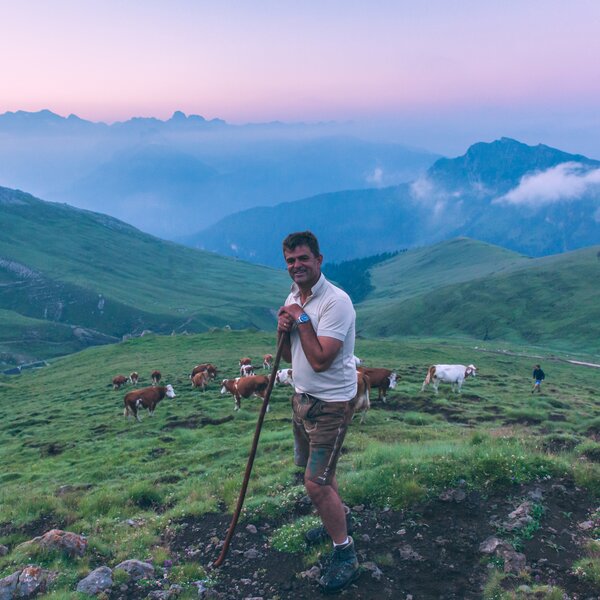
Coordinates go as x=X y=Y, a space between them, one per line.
x=329 y=505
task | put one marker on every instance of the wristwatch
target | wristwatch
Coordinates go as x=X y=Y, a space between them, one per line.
x=303 y=318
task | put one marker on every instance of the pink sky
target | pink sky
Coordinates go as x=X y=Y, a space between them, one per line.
x=327 y=60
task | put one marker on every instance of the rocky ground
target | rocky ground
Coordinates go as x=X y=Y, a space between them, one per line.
x=444 y=549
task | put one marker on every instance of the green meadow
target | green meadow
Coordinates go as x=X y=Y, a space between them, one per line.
x=70 y=457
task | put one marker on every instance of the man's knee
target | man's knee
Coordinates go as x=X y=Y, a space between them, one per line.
x=316 y=490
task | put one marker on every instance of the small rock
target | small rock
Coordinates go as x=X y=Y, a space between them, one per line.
x=313 y=573
x=586 y=525
x=251 y=528
x=407 y=553
x=401 y=531
x=97 y=581
x=3 y=550
x=136 y=569
x=252 y=553
x=365 y=537
x=514 y=562
x=358 y=508
x=56 y=539
x=489 y=545
x=536 y=495
x=376 y=572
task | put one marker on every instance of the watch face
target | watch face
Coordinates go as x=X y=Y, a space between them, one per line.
x=303 y=318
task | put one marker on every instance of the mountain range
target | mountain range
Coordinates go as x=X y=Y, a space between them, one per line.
x=175 y=177
x=532 y=199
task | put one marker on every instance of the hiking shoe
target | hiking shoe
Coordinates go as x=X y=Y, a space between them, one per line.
x=316 y=535
x=342 y=570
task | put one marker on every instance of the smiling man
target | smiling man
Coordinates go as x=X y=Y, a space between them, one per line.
x=318 y=324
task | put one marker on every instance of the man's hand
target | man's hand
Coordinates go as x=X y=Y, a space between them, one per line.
x=287 y=315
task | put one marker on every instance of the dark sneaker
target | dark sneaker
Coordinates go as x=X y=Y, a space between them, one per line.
x=316 y=535
x=342 y=570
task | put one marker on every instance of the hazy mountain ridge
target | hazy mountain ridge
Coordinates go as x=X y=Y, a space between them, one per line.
x=174 y=177
x=531 y=199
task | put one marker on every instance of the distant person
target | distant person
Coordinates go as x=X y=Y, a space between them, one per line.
x=538 y=377
x=318 y=325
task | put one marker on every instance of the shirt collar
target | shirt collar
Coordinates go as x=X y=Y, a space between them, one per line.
x=316 y=289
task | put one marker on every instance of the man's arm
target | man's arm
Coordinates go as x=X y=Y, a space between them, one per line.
x=319 y=350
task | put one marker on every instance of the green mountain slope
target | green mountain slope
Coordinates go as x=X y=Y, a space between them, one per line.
x=462 y=287
x=75 y=267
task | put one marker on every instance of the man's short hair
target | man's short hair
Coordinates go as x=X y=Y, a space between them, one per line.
x=302 y=238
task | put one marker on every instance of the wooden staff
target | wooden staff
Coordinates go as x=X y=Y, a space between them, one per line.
x=259 y=423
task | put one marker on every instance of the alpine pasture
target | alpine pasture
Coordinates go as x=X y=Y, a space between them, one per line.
x=71 y=460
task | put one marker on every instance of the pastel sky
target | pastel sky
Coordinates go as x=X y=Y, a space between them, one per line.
x=438 y=73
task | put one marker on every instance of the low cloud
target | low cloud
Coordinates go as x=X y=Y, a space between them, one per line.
x=564 y=182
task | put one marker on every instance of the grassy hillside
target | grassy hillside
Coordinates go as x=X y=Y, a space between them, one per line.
x=188 y=459
x=468 y=288
x=81 y=268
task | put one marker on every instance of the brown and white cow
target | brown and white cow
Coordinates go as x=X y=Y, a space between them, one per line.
x=284 y=377
x=452 y=374
x=147 y=397
x=361 y=400
x=208 y=367
x=119 y=381
x=383 y=379
x=267 y=361
x=245 y=361
x=200 y=379
x=246 y=371
x=134 y=377
x=244 y=387
x=156 y=375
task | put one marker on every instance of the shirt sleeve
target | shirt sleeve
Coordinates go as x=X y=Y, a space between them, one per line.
x=336 y=319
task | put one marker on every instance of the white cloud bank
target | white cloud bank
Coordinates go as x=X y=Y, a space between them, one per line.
x=564 y=182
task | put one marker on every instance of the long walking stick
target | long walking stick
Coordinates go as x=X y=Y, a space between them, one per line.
x=261 y=418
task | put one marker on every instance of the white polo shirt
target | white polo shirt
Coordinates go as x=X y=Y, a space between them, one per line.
x=331 y=315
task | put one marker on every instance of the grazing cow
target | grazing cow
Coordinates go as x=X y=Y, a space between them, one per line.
x=361 y=400
x=119 y=381
x=383 y=379
x=208 y=367
x=267 y=361
x=245 y=361
x=147 y=397
x=134 y=377
x=284 y=377
x=246 y=370
x=452 y=374
x=155 y=377
x=200 y=380
x=244 y=387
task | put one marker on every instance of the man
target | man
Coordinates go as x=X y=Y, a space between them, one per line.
x=318 y=325
x=538 y=377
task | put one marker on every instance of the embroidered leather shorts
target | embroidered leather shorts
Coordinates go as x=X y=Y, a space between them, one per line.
x=319 y=431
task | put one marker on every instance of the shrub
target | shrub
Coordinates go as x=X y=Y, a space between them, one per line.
x=290 y=537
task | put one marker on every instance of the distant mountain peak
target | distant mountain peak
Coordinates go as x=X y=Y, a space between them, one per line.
x=498 y=165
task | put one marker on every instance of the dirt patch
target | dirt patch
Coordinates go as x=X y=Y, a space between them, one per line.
x=429 y=552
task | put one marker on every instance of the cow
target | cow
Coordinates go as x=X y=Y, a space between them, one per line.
x=245 y=361
x=244 y=387
x=383 y=379
x=200 y=379
x=134 y=377
x=118 y=381
x=452 y=374
x=246 y=371
x=156 y=375
x=208 y=367
x=284 y=377
x=361 y=400
x=267 y=361
x=147 y=397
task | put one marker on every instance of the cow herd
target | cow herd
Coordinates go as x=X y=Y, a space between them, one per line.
x=249 y=384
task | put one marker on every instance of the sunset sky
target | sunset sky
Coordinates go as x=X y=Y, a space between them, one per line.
x=439 y=74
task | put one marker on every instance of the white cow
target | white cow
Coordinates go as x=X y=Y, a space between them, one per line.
x=284 y=377
x=452 y=374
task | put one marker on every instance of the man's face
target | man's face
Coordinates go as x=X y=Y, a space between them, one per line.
x=303 y=266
